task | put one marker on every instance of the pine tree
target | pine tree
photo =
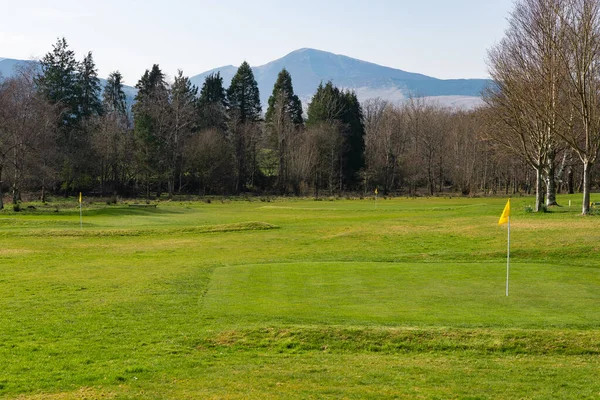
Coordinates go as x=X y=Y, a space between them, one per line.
x=327 y=105
x=212 y=104
x=283 y=90
x=114 y=99
x=58 y=82
x=152 y=83
x=152 y=121
x=283 y=117
x=73 y=88
x=243 y=95
x=354 y=140
x=89 y=88
x=213 y=90
x=342 y=109
x=245 y=109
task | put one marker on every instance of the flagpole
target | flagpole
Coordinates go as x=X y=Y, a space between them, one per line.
x=508 y=258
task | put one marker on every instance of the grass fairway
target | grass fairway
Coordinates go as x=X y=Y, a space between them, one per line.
x=402 y=298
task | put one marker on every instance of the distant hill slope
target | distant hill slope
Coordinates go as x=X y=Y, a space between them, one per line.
x=310 y=67
x=8 y=68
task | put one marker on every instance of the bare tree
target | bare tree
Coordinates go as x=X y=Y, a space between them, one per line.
x=209 y=160
x=528 y=81
x=27 y=124
x=183 y=104
x=582 y=61
x=386 y=141
x=301 y=161
x=325 y=139
x=113 y=144
x=465 y=150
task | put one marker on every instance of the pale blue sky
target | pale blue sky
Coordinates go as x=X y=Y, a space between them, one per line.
x=440 y=38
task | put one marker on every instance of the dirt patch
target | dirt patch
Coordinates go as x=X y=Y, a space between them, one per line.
x=14 y=252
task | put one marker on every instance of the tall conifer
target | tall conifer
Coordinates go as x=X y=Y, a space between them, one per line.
x=243 y=95
x=114 y=99
x=212 y=104
x=283 y=90
x=89 y=88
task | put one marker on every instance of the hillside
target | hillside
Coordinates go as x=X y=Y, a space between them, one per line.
x=309 y=67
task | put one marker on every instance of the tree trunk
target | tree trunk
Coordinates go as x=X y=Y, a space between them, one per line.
x=281 y=170
x=551 y=185
x=43 y=196
x=147 y=186
x=539 y=190
x=1 y=193
x=587 y=167
x=102 y=175
x=170 y=185
x=341 y=177
x=430 y=182
x=571 y=181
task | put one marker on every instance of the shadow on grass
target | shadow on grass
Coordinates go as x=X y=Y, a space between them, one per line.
x=128 y=211
x=237 y=227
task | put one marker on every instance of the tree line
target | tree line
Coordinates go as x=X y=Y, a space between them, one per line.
x=544 y=105
x=62 y=131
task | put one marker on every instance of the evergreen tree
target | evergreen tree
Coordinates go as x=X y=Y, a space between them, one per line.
x=58 y=82
x=213 y=90
x=243 y=95
x=245 y=109
x=89 y=88
x=152 y=121
x=337 y=108
x=283 y=90
x=212 y=104
x=183 y=104
x=73 y=88
x=327 y=105
x=152 y=83
x=114 y=99
x=354 y=140
x=283 y=117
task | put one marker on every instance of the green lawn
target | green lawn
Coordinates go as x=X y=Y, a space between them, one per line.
x=401 y=298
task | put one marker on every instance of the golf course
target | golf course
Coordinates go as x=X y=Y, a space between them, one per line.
x=271 y=298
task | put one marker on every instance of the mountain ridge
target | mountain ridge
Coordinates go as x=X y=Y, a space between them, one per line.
x=310 y=67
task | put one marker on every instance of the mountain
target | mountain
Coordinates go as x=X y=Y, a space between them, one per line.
x=8 y=68
x=310 y=67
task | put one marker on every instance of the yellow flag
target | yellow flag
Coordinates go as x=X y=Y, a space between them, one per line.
x=79 y=197
x=505 y=214
x=376 y=191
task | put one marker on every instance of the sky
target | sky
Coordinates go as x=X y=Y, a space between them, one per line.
x=440 y=38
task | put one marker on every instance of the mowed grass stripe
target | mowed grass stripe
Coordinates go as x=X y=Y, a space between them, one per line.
x=404 y=294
